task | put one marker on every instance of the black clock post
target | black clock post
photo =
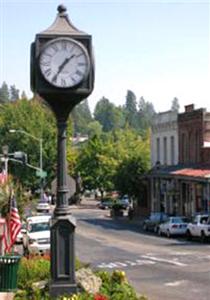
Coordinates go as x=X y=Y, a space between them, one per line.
x=62 y=75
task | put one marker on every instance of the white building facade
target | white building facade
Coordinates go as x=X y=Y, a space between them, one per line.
x=164 y=139
x=164 y=153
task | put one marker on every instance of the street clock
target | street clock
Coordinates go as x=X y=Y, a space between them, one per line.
x=62 y=65
x=62 y=74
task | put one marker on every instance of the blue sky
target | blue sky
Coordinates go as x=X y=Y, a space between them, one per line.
x=157 y=49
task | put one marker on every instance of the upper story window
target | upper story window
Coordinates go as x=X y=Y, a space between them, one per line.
x=197 y=146
x=165 y=150
x=172 y=151
x=183 y=148
x=158 y=149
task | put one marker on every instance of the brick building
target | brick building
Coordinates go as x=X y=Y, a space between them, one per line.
x=194 y=136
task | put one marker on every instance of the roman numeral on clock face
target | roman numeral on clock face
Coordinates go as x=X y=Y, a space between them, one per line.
x=63 y=82
x=48 y=54
x=45 y=63
x=55 y=48
x=73 y=79
x=81 y=64
x=79 y=73
x=47 y=72
x=64 y=45
x=80 y=54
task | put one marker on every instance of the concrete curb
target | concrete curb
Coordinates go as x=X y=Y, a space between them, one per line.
x=6 y=296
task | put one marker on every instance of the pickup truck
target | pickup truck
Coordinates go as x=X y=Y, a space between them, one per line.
x=199 y=227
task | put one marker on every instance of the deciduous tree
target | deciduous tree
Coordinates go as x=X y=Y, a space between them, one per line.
x=108 y=115
x=37 y=120
x=133 y=164
x=81 y=117
x=96 y=164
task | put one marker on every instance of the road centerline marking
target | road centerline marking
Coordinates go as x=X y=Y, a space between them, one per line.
x=175 y=283
x=153 y=258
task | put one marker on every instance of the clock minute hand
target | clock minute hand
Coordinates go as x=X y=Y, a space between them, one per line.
x=60 y=68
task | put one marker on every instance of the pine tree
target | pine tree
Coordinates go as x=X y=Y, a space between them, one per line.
x=4 y=93
x=23 y=95
x=175 y=104
x=131 y=109
x=14 y=93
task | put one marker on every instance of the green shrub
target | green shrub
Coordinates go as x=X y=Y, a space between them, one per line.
x=116 y=287
x=32 y=294
x=35 y=269
x=32 y=270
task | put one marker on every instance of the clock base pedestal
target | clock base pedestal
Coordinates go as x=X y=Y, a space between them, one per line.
x=62 y=288
x=62 y=256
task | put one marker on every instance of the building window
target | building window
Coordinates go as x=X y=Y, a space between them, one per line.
x=197 y=146
x=183 y=151
x=165 y=150
x=190 y=148
x=172 y=150
x=158 y=149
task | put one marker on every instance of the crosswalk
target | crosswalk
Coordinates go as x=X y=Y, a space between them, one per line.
x=125 y=264
x=177 y=260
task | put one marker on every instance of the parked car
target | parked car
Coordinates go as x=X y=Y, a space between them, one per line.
x=199 y=227
x=43 y=207
x=154 y=220
x=173 y=226
x=106 y=203
x=124 y=201
x=36 y=238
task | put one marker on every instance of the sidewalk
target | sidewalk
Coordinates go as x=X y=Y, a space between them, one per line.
x=6 y=296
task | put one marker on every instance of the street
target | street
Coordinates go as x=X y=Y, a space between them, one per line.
x=158 y=267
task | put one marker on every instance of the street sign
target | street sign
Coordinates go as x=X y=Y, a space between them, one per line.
x=41 y=173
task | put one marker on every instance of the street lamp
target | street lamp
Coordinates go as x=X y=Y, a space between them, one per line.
x=40 y=151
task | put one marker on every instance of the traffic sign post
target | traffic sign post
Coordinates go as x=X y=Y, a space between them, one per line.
x=41 y=173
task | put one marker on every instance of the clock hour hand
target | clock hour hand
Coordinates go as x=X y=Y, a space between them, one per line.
x=60 y=68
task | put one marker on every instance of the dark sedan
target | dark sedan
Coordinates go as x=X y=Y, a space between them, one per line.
x=154 y=220
x=106 y=203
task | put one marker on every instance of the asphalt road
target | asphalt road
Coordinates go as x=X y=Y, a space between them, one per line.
x=161 y=268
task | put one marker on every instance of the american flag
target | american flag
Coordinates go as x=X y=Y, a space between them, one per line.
x=13 y=225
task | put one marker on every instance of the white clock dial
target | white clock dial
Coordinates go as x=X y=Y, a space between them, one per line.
x=64 y=62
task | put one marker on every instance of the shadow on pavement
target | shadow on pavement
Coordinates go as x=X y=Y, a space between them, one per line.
x=124 y=223
x=184 y=242
x=116 y=224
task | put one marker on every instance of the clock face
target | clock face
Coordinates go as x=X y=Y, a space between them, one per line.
x=64 y=62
